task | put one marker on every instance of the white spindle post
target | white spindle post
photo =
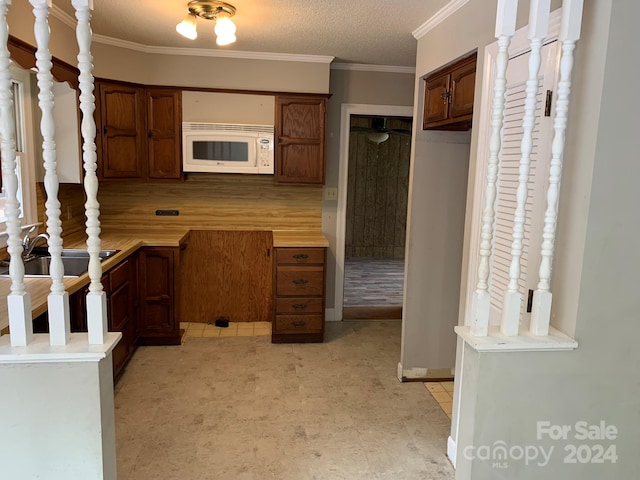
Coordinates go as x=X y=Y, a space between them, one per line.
x=505 y=28
x=538 y=27
x=569 y=34
x=58 y=300
x=96 y=298
x=19 y=300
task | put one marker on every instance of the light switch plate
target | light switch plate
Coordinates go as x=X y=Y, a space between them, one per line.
x=331 y=194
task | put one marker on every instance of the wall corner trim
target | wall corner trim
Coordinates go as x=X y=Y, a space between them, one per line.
x=439 y=17
x=452 y=447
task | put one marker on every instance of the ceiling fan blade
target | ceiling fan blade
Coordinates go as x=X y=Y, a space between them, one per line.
x=361 y=129
x=406 y=133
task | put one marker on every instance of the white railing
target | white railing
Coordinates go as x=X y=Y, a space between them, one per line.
x=19 y=302
x=512 y=302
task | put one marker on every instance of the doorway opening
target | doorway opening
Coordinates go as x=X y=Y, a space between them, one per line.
x=375 y=154
x=376 y=216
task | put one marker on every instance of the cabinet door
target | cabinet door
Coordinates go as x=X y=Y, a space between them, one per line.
x=436 y=99
x=300 y=127
x=122 y=140
x=164 y=113
x=157 y=294
x=463 y=82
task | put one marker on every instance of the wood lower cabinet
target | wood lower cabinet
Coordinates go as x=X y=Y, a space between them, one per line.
x=299 y=292
x=158 y=302
x=123 y=310
x=300 y=128
x=448 y=96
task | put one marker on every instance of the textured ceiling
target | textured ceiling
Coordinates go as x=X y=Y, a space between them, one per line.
x=374 y=32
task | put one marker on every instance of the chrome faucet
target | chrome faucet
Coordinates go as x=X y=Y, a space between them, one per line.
x=28 y=243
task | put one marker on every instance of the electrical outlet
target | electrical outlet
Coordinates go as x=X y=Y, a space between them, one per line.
x=331 y=194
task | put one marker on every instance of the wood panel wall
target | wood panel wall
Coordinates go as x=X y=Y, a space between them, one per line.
x=226 y=274
x=211 y=201
x=72 y=199
x=378 y=185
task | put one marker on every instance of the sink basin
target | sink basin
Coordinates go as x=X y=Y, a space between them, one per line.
x=75 y=261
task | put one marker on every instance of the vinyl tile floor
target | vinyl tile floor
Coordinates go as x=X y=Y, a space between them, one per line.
x=241 y=408
x=442 y=392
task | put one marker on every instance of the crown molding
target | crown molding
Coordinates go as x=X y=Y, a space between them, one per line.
x=207 y=52
x=439 y=17
x=363 y=67
x=63 y=16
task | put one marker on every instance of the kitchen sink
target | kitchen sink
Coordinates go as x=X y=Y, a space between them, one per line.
x=75 y=262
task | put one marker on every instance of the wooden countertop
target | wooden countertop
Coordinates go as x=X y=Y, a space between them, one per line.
x=302 y=238
x=128 y=241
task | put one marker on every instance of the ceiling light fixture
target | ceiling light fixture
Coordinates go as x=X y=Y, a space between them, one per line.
x=378 y=137
x=220 y=12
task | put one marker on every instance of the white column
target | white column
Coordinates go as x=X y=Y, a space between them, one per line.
x=96 y=298
x=569 y=34
x=58 y=300
x=505 y=28
x=19 y=300
x=538 y=27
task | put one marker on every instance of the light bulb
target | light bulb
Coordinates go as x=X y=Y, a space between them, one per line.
x=187 y=27
x=225 y=31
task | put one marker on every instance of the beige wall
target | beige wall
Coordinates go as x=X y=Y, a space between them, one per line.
x=228 y=108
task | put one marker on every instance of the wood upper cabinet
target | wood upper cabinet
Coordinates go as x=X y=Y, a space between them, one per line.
x=300 y=125
x=448 y=97
x=164 y=113
x=138 y=132
x=122 y=149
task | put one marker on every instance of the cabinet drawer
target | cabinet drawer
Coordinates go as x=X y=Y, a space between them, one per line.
x=298 y=324
x=299 y=305
x=299 y=256
x=119 y=274
x=305 y=281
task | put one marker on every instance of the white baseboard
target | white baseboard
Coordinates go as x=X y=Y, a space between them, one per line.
x=451 y=451
x=422 y=374
x=330 y=315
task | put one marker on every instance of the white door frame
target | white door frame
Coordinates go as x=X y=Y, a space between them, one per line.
x=347 y=110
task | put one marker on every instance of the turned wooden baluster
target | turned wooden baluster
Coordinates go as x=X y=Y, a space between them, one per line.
x=96 y=298
x=569 y=34
x=538 y=27
x=19 y=300
x=505 y=28
x=58 y=299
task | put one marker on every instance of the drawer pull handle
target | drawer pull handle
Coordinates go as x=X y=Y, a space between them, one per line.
x=299 y=323
x=300 y=281
x=299 y=306
x=301 y=256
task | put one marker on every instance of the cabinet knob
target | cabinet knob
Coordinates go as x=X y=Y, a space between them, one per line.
x=300 y=281
x=299 y=306
x=299 y=323
x=301 y=256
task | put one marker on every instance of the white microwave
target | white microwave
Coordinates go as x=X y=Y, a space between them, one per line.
x=227 y=148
